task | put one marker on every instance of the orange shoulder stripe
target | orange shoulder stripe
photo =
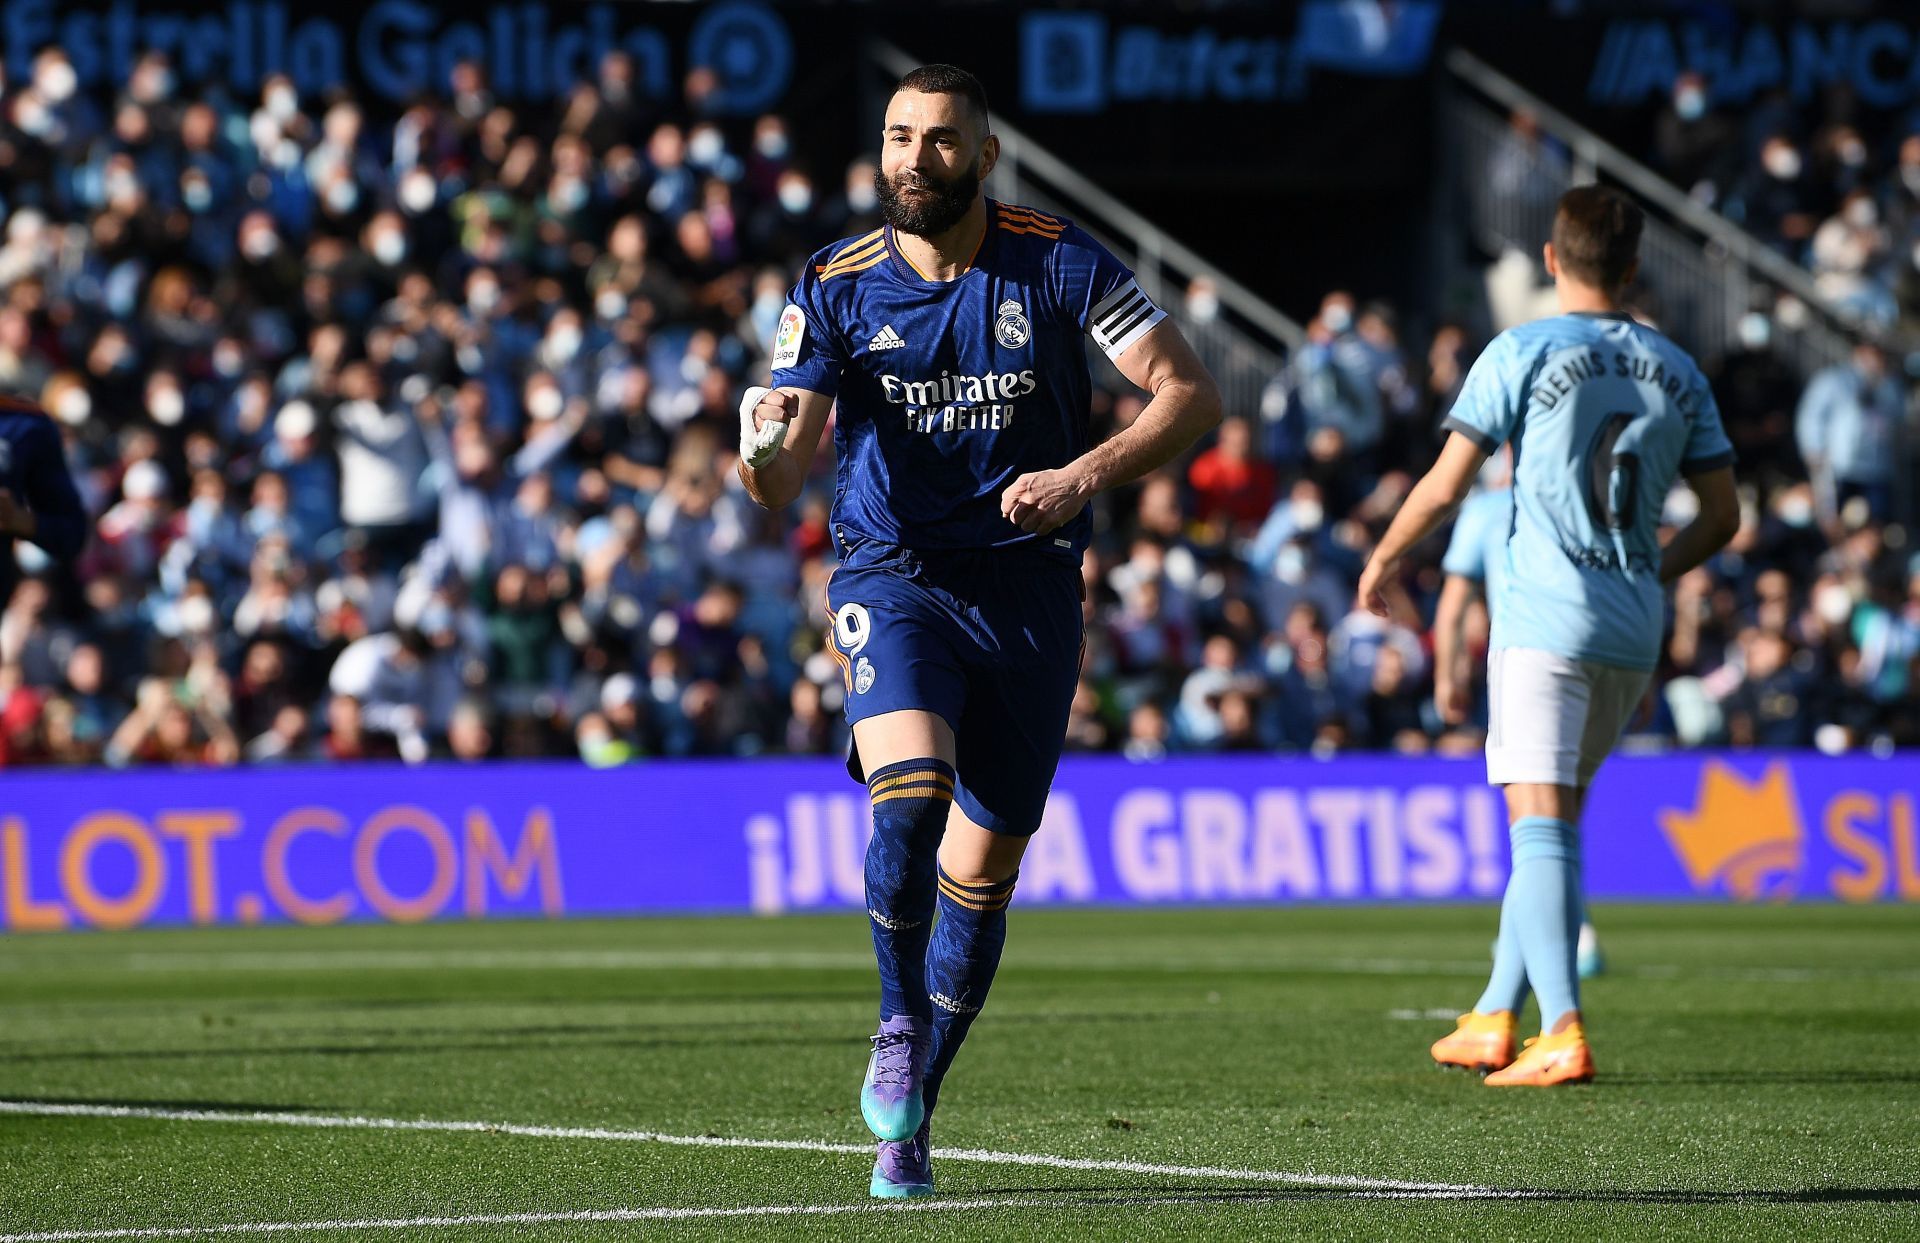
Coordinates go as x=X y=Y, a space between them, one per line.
x=859 y=248
x=841 y=265
x=1033 y=217
x=1046 y=233
x=847 y=269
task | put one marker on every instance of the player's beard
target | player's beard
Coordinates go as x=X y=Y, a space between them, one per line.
x=929 y=214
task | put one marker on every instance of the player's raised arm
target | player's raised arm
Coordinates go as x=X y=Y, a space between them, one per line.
x=779 y=434
x=1185 y=406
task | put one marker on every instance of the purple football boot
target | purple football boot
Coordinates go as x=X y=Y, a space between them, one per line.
x=890 y=1094
x=903 y=1170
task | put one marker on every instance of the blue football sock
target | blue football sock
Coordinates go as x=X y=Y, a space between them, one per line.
x=1507 y=986
x=910 y=802
x=1543 y=908
x=960 y=964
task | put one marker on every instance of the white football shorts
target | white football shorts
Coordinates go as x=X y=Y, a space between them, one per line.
x=1553 y=721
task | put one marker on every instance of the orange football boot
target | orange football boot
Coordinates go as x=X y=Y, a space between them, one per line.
x=1481 y=1042
x=1549 y=1061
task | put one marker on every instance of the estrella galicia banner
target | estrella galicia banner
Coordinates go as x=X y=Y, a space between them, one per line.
x=397 y=49
x=316 y=846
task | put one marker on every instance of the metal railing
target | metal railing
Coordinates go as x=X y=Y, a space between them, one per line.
x=1244 y=347
x=1702 y=271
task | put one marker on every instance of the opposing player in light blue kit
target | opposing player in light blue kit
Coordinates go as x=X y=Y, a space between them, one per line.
x=952 y=341
x=1476 y=554
x=1603 y=415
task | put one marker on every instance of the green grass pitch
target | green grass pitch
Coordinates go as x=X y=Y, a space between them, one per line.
x=1758 y=1078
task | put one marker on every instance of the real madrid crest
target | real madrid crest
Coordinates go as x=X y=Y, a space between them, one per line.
x=1012 y=328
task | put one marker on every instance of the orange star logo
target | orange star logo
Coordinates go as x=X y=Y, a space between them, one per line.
x=1746 y=836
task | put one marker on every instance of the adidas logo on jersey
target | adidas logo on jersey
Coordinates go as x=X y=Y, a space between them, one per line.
x=886 y=339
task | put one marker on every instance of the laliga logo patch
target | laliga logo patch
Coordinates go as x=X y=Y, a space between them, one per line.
x=1012 y=328
x=863 y=676
x=787 y=338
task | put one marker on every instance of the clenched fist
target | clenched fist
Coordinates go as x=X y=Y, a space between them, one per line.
x=1044 y=500
x=764 y=415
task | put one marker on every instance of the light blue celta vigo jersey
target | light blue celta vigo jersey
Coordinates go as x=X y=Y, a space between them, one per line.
x=1477 y=549
x=1603 y=414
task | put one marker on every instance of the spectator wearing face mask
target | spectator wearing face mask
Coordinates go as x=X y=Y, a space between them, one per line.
x=474 y=483
x=710 y=155
x=1752 y=379
x=1335 y=382
x=65 y=118
x=382 y=456
x=313 y=483
x=1694 y=143
x=1849 y=428
x=1299 y=574
x=792 y=217
x=1775 y=200
x=268 y=277
x=1839 y=163
x=770 y=156
x=1847 y=252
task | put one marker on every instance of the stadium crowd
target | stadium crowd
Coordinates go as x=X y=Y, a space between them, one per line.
x=416 y=438
x=1834 y=186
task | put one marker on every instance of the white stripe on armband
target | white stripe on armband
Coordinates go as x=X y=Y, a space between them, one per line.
x=1121 y=318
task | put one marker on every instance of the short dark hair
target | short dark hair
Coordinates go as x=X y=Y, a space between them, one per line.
x=949 y=80
x=1596 y=235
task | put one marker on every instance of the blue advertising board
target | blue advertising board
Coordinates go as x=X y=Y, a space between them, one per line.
x=372 y=843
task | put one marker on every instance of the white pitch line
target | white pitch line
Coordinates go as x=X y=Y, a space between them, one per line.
x=1431 y=1012
x=687 y=1214
x=47 y=1109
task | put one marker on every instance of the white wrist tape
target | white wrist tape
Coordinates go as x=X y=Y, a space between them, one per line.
x=758 y=445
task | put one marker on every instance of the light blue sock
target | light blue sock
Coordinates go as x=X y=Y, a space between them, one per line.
x=1507 y=986
x=1542 y=907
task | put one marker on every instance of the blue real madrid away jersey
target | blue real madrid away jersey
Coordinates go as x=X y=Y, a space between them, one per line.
x=1603 y=415
x=948 y=391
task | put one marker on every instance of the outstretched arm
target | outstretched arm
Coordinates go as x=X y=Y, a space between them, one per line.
x=1185 y=407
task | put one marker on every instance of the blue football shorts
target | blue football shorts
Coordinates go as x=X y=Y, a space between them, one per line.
x=989 y=639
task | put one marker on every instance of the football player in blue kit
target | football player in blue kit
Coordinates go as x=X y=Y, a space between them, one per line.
x=1604 y=415
x=951 y=342
x=38 y=502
